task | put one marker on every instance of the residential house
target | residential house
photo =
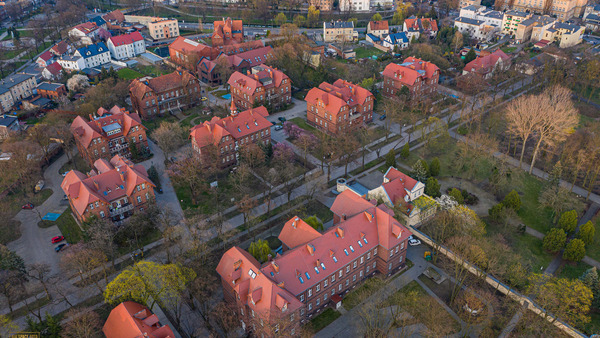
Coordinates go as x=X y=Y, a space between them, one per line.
x=113 y=190
x=562 y=10
x=354 y=5
x=51 y=91
x=378 y=28
x=466 y=3
x=219 y=139
x=322 y=5
x=262 y=85
x=126 y=46
x=114 y=19
x=386 y=4
x=72 y=62
x=162 y=28
x=16 y=87
x=486 y=66
x=564 y=34
x=8 y=124
x=101 y=23
x=130 y=319
x=488 y=16
x=348 y=203
x=342 y=50
x=339 y=107
x=533 y=28
x=477 y=29
x=421 y=78
x=60 y=49
x=414 y=27
x=227 y=32
x=52 y=72
x=316 y=271
x=93 y=55
x=109 y=133
x=167 y=93
x=373 y=39
x=591 y=17
x=44 y=59
x=396 y=40
x=85 y=32
x=339 y=31
x=209 y=73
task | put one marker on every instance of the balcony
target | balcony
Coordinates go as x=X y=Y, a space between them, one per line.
x=120 y=210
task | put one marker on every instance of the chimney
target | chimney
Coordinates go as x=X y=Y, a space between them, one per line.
x=269 y=257
x=344 y=217
x=318 y=262
x=96 y=185
x=339 y=232
x=294 y=222
x=275 y=266
x=311 y=249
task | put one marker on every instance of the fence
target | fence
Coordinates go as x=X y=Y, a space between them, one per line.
x=505 y=289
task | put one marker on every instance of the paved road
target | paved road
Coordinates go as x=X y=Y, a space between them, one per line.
x=34 y=244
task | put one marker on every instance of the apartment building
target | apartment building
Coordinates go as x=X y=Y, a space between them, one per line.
x=466 y=3
x=477 y=29
x=187 y=53
x=108 y=133
x=51 y=91
x=339 y=31
x=152 y=97
x=126 y=46
x=93 y=55
x=322 y=5
x=135 y=319
x=339 y=107
x=421 y=78
x=162 y=28
x=8 y=124
x=208 y=72
x=316 y=271
x=14 y=88
x=511 y=21
x=533 y=28
x=564 y=34
x=261 y=85
x=354 y=5
x=113 y=190
x=227 y=32
x=219 y=139
x=563 y=10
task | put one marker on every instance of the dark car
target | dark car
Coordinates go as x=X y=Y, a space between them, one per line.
x=57 y=239
x=382 y=117
x=60 y=247
x=28 y=206
x=273 y=123
x=282 y=119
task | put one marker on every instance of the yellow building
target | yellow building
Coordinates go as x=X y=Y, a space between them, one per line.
x=465 y=3
x=565 y=34
x=158 y=28
x=512 y=20
x=339 y=31
x=532 y=28
x=14 y=88
x=562 y=9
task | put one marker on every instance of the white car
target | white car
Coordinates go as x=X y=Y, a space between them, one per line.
x=413 y=241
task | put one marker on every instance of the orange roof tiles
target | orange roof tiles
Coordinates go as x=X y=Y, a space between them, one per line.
x=60 y=48
x=348 y=203
x=86 y=131
x=378 y=25
x=248 y=83
x=131 y=320
x=411 y=69
x=296 y=232
x=485 y=64
x=86 y=27
x=393 y=174
x=337 y=95
x=421 y=24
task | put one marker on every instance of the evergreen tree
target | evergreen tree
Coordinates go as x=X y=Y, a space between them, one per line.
x=512 y=200
x=419 y=171
x=434 y=167
x=555 y=240
x=587 y=232
x=432 y=187
x=555 y=174
x=457 y=196
x=390 y=159
x=260 y=250
x=591 y=279
x=575 y=250
x=314 y=222
x=471 y=55
x=568 y=221
x=497 y=212
x=405 y=151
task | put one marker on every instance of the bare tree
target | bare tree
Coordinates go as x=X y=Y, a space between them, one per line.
x=523 y=116
x=11 y=286
x=84 y=261
x=41 y=273
x=170 y=136
x=82 y=323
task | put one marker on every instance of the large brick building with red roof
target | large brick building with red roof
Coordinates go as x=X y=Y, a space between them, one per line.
x=421 y=78
x=227 y=32
x=317 y=269
x=187 y=53
x=339 y=106
x=170 y=92
x=209 y=73
x=262 y=85
x=220 y=138
x=130 y=319
x=113 y=190
x=109 y=133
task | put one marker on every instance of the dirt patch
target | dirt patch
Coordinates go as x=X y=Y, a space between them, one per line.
x=486 y=199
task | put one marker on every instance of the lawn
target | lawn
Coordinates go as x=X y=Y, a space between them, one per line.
x=128 y=74
x=325 y=318
x=69 y=227
x=358 y=295
x=155 y=123
x=77 y=163
x=300 y=122
x=187 y=122
x=153 y=71
x=10 y=229
x=572 y=271
x=365 y=52
x=509 y=50
x=219 y=93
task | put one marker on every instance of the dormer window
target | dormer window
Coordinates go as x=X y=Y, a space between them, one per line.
x=346 y=252
x=307 y=275
x=317 y=270
x=351 y=248
x=359 y=243
x=252 y=273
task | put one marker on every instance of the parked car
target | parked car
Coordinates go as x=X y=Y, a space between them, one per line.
x=61 y=246
x=57 y=239
x=204 y=98
x=413 y=241
x=278 y=127
x=282 y=119
x=274 y=123
x=39 y=186
x=382 y=117
x=27 y=206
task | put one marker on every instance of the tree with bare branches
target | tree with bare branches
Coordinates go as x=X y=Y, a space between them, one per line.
x=82 y=323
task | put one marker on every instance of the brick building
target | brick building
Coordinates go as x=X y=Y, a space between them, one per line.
x=261 y=85
x=130 y=319
x=171 y=92
x=208 y=71
x=187 y=53
x=339 y=106
x=317 y=269
x=421 y=77
x=227 y=32
x=51 y=91
x=220 y=138
x=109 y=133
x=112 y=190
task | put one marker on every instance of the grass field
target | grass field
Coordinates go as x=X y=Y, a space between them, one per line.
x=128 y=74
x=365 y=52
x=69 y=227
x=300 y=122
x=325 y=318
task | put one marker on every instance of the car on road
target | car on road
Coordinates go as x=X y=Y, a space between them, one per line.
x=278 y=127
x=282 y=119
x=27 y=206
x=413 y=241
x=204 y=98
x=382 y=117
x=57 y=239
x=61 y=246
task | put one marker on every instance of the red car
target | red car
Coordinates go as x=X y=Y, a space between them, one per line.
x=58 y=239
x=27 y=206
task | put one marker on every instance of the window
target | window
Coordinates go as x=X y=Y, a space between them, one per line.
x=346 y=252
x=139 y=199
x=340 y=275
x=333 y=291
x=102 y=214
x=333 y=278
x=351 y=248
x=340 y=287
x=252 y=311
x=354 y=278
x=348 y=269
x=396 y=249
x=334 y=259
x=354 y=265
x=400 y=259
x=302 y=298
x=369 y=255
x=317 y=270
x=368 y=267
x=325 y=297
x=309 y=292
x=309 y=306
x=318 y=301
x=391 y=253
x=375 y=251
x=374 y=265
x=361 y=273
x=359 y=243
x=362 y=259
x=302 y=312
x=390 y=266
x=318 y=288
x=307 y=275
x=325 y=283
x=347 y=282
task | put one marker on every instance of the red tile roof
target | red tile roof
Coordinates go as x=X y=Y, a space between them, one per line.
x=86 y=131
x=378 y=25
x=418 y=24
x=130 y=320
x=335 y=96
x=296 y=232
x=86 y=27
x=349 y=203
x=126 y=39
x=60 y=48
x=54 y=68
x=392 y=174
x=248 y=82
x=410 y=70
x=485 y=64
x=186 y=45
x=115 y=15
x=222 y=27
x=238 y=126
x=161 y=84
x=46 y=55
x=111 y=181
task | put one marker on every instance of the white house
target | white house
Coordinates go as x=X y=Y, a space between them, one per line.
x=355 y=5
x=44 y=59
x=126 y=46
x=477 y=29
x=397 y=39
x=94 y=55
x=482 y=13
x=378 y=28
x=52 y=72
x=85 y=32
x=71 y=62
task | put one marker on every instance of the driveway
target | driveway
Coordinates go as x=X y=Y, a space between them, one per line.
x=34 y=244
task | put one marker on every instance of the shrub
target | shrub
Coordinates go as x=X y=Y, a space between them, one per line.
x=405 y=152
x=260 y=250
x=314 y=222
x=434 y=167
x=390 y=158
x=457 y=196
x=512 y=200
x=462 y=130
x=432 y=187
x=469 y=198
x=497 y=213
x=575 y=250
x=587 y=232
x=568 y=221
x=555 y=240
